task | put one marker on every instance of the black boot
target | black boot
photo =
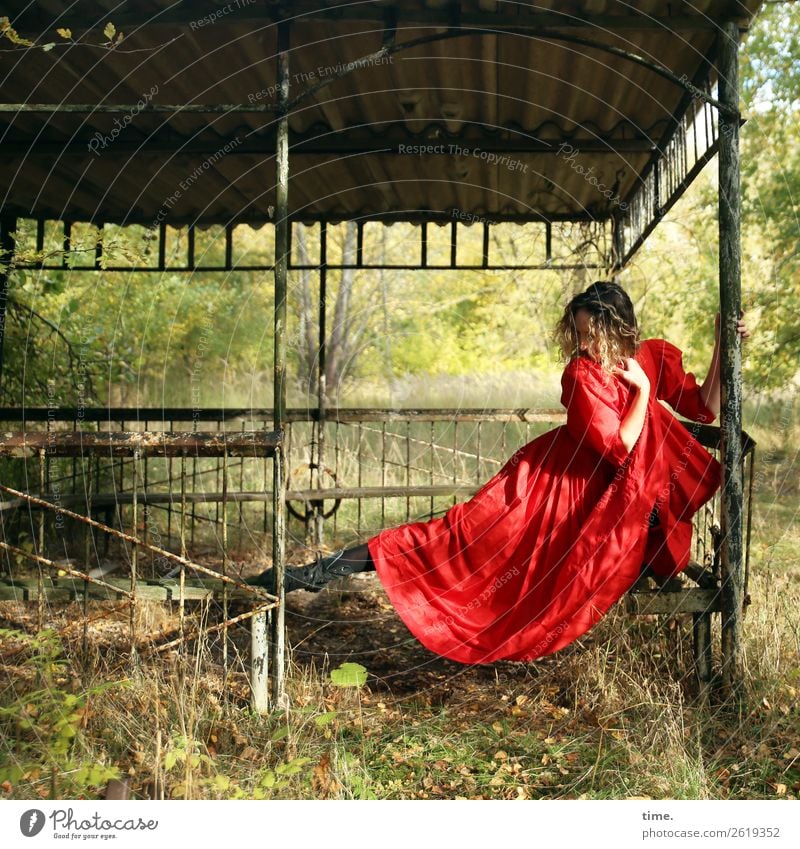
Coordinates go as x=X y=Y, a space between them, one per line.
x=314 y=576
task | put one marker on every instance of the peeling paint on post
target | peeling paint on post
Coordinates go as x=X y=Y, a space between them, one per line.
x=281 y=259
x=730 y=291
x=259 y=664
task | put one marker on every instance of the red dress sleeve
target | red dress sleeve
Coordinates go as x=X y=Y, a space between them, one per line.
x=674 y=385
x=593 y=413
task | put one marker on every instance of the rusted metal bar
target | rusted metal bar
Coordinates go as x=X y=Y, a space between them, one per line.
x=537 y=266
x=431 y=461
x=40 y=602
x=228 y=246
x=224 y=568
x=182 y=533
x=87 y=550
x=294 y=414
x=110 y=499
x=66 y=244
x=148 y=444
x=134 y=552
x=359 y=247
x=746 y=596
x=731 y=359
x=322 y=389
x=359 y=471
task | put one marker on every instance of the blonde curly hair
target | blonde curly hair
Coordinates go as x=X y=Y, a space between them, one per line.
x=612 y=327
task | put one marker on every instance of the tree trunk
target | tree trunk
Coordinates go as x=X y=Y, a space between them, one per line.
x=343 y=333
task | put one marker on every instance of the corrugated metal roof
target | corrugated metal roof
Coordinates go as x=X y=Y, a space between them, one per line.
x=473 y=122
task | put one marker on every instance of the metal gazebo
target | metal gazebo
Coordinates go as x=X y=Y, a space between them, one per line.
x=198 y=115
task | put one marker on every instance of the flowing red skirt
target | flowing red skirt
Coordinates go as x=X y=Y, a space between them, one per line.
x=535 y=559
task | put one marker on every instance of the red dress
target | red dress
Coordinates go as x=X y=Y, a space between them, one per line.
x=542 y=551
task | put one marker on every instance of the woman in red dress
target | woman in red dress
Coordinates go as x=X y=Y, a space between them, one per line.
x=543 y=550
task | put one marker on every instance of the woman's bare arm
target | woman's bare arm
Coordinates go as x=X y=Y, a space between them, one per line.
x=710 y=390
x=630 y=427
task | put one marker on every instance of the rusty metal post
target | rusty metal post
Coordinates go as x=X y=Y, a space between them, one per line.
x=278 y=644
x=730 y=292
x=8 y=225
x=319 y=518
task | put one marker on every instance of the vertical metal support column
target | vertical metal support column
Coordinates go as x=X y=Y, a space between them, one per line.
x=278 y=647
x=703 y=659
x=319 y=517
x=730 y=293
x=7 y=226
x=617 y=243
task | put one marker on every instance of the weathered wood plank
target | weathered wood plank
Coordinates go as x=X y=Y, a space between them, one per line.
x=689 y=600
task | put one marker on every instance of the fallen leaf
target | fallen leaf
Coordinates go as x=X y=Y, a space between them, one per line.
x=323 y=783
